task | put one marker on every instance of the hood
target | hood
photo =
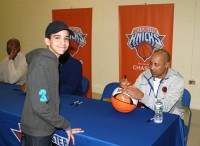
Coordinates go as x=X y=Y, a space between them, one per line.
x=40 y=51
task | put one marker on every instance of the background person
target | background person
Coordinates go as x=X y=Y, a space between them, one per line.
x=159 y=82
x=14 y=67
x=70 y=75
x=73 y=47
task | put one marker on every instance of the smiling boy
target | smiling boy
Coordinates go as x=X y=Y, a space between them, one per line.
x=40 y=116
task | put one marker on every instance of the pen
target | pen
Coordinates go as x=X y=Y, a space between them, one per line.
x=79 y=103
x=74 y=102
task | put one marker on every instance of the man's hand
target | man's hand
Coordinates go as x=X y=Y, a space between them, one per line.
x=13 y=54
x=71 y=132
x=135 y=92
x=124 y=83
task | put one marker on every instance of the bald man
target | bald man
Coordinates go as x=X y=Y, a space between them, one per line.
x=159 y=82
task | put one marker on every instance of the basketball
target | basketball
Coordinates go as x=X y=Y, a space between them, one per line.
x=122 y=102
x=144 y=50
x=73 y=47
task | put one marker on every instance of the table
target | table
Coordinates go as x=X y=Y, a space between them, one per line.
x=103 y=125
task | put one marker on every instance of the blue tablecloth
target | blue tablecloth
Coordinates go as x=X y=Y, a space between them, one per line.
x=103 y=125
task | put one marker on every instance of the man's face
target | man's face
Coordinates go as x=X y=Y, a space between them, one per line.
x=158 y=66
x=58 y=42
x=11 y=45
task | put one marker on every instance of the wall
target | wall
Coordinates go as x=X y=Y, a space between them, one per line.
x=27 y=20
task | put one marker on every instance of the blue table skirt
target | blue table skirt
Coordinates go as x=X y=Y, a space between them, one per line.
x=103 y=125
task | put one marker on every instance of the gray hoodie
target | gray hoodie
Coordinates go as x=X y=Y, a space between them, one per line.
x=40 y=115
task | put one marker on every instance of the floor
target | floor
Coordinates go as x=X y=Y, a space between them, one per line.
x=194 y=134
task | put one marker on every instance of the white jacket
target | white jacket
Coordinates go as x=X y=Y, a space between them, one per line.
x=13 y=71
x=170 y=91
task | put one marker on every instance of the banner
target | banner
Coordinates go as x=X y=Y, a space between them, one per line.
x=143 y=29
x=80 y=21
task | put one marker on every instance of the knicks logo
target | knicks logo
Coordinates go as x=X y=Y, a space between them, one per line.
x=145 y=40
x=77 y=40
x=17 y=133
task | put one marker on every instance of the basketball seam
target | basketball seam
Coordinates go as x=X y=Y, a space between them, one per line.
x=124 y=102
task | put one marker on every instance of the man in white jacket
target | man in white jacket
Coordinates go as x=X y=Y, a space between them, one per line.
x=159 y=82
x=14 y=67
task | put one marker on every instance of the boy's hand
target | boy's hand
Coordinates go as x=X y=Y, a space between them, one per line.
x=71 y=132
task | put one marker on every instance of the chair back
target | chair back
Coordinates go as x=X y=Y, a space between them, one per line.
x=108 y=90
x=85 y=85
x=186 y=98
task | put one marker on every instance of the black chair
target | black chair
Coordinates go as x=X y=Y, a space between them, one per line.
x=108 y=90
x=186 y=98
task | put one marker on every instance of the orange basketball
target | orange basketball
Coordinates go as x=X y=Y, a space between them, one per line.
x=144 y=50
x=122 y=102
x=73 y=47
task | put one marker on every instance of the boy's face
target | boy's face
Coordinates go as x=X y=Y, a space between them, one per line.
x=58 y=42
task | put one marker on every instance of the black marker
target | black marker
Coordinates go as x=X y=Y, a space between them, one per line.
x=124 y=76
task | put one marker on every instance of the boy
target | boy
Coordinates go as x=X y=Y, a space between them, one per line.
x=40 y=116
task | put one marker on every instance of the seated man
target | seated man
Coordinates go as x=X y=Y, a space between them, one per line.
x=14 y=67
x=159 y=82
x=70 y=75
